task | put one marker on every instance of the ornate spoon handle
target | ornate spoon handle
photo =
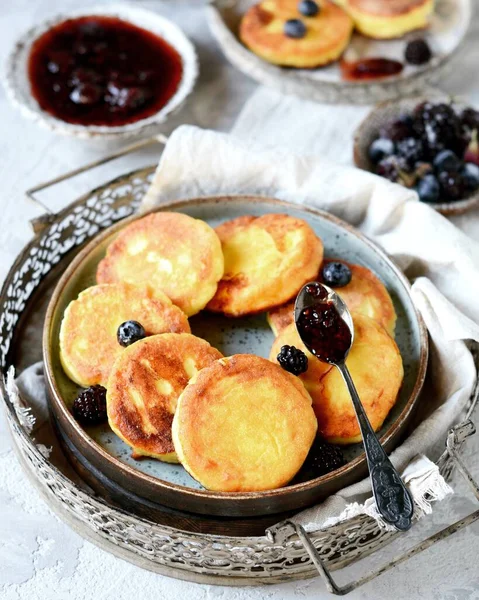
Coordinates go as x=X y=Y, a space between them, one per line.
x=392 y=497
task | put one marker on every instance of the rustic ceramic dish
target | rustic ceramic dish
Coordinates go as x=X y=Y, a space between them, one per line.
x=169 y=484
x=18 y=86
x=446 y=35
x=386 y=112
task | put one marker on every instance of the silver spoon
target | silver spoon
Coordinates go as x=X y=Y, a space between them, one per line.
x=393 y=499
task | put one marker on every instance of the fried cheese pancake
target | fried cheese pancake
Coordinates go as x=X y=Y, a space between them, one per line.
x=382 y=19
x=376 y=367
x=267 y=261
x=327 y=33
x=243 y=424
x=88 y=340
x=144 y=386
x=365 y=294
x=172 y=252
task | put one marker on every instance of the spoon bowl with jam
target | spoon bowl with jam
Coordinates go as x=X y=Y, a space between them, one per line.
x=326 y=328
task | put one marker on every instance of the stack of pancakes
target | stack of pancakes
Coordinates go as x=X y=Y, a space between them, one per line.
x=238 y=423
x=328 y=32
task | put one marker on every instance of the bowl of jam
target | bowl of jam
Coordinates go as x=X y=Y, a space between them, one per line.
x=110 y=71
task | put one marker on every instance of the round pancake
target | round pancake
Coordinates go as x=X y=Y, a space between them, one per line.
x=144 y=386
x=267 y=260
x=364 y=294
x=377 y=371
x=172 y=252
x=328 y=33
x=392 y=19
x=243 y=425
x=88 y=342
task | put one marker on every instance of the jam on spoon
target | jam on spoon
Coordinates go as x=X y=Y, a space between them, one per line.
x=99 y=70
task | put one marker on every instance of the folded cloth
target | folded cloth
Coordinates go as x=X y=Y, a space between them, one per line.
x=436 y=255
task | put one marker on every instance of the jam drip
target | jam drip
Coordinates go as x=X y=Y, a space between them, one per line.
x=369 y=68
x=324 y=332
x=102 y=71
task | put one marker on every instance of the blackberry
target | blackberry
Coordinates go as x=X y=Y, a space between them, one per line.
x=399 y=129
x=417 y=52
x=321 y=460
x=439 y=128
x=470 y=118
x=293 y=360
x=89 y=408
x=411 y=149
x=452 y=185
x=130 y=332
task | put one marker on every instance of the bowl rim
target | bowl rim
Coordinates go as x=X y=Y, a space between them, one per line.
x=29 y=107
x=455 y=207
x=176 y=205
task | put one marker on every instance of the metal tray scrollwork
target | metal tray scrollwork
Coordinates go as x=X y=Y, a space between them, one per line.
x=286 y=551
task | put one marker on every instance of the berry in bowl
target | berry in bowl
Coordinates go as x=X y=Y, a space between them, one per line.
x=106 y=71
x=429 y=145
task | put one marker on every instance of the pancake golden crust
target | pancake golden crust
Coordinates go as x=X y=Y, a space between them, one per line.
x=243 y=424
x=144 y=387
x=88 y=341
x=391 y=19
x=377 y=371
x=267 y=260
x=327 y=35
x=364 y=294
x=172 y=252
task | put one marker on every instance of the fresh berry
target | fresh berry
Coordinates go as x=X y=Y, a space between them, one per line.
x=396 y=169
x=379 y=149
x=293 y=360
x=439 y=128
x=447 y=161
x=470 y=176
x=472 y=152
x=428 y=189
x=308 y=8
x=89 y=408
x=86 y=94
x=411 y=149
x=417 y=52
x=130 y=332
x=452 y=185
x=470 y=118
x=399 y=129
x=323 y=458
x=294 y=28
x=336 y=274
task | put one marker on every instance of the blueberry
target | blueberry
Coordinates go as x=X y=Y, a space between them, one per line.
x=447 y=161
x=452 y=185
x=336 y=274
x=130 y=332
x=294 y=28
x=308 y=8
x=379 y=149
x=470 y=176
x=428 y=189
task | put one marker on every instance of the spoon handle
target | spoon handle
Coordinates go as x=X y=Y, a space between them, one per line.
x=393 y=499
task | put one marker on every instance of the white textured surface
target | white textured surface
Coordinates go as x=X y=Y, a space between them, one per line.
x=40 y=558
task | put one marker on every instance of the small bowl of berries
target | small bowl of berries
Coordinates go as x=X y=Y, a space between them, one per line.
x=426 y=144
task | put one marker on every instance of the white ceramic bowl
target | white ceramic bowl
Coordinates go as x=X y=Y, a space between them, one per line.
x=18 y=85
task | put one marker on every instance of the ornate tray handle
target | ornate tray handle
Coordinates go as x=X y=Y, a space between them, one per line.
x=281 y=532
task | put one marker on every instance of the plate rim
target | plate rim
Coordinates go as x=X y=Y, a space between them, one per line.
x=55 y=398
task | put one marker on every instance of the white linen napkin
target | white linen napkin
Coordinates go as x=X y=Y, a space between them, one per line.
x=440 y=258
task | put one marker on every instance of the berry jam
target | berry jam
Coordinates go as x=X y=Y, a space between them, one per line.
x=102 y=71
x=324 y=332
x=369 y=68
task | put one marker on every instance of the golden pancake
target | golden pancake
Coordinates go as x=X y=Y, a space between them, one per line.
x=267 y=261
x=389 y=19
x=377 y=371
x=172 y=252
x=327 y=34
x=364 y=294
x=88 y=342
x=144 y=386
x=243 y=425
